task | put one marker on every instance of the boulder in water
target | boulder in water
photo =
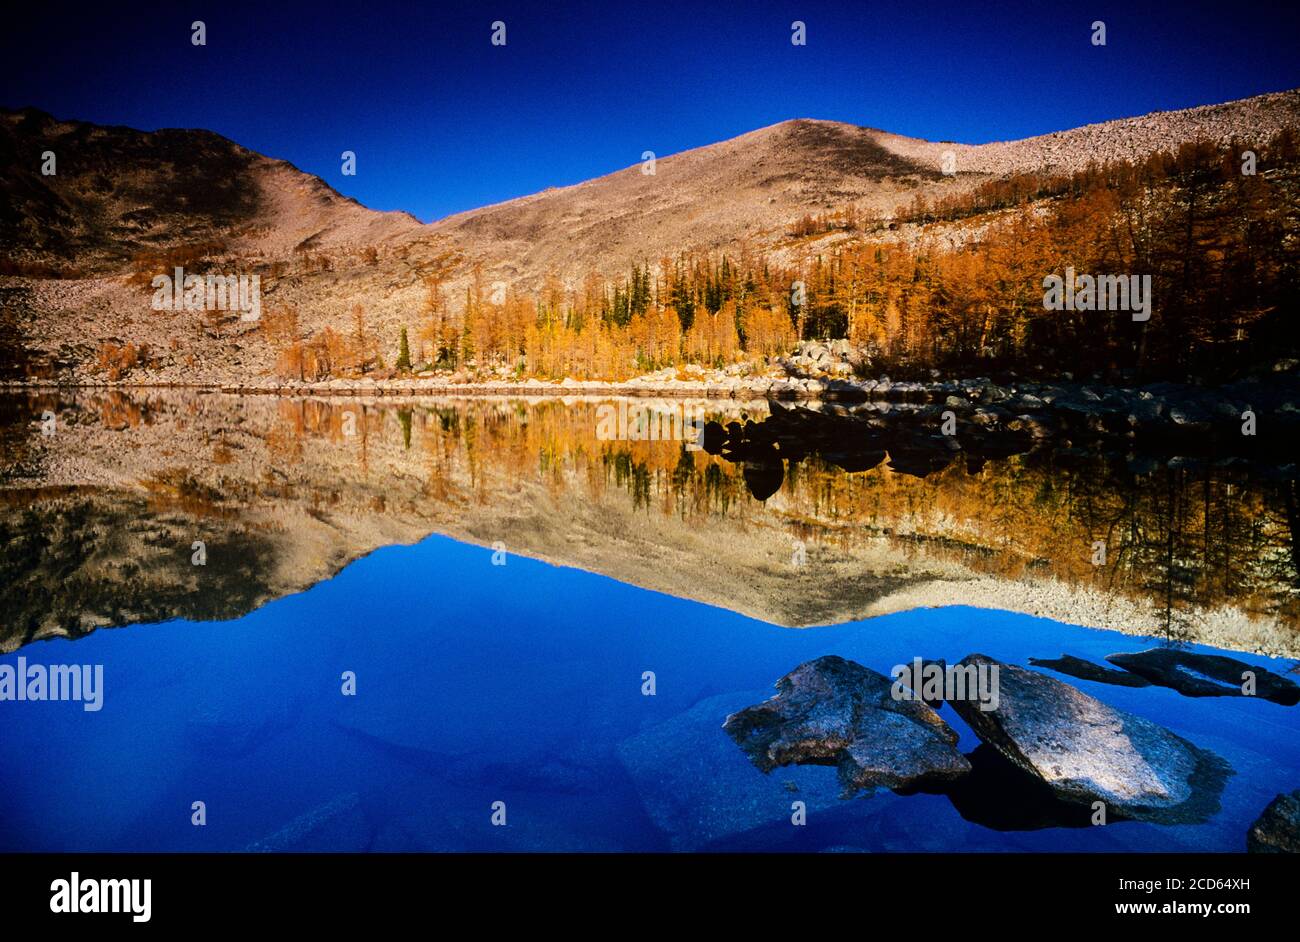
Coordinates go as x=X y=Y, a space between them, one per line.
x=831 y=711
x=1086 y=670
x=1087 y=751
x=1277 y=830
x=1206 y=675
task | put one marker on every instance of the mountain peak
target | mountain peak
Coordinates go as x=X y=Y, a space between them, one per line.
x=123 y=199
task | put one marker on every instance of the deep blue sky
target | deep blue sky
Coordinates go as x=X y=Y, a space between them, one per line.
x=443 y=121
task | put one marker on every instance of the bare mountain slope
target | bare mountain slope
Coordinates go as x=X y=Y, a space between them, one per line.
x=117 y=192
x=1247 y=121
x=706 y=197
x=750 y=188
x=122 y=199
x=747 y=192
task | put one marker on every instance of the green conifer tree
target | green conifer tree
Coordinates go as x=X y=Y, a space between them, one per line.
x=404 y=354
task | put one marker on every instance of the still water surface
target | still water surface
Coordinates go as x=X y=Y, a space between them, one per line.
x=523 y=683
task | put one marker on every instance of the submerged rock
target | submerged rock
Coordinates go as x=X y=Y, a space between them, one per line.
x=228 y=732
x=832 y=711
x=338 y=826
x=697 y=788
x=561 y=769
x=1206 y=675
x=1086 y=670
x=1087 y=751
x=1277 y=830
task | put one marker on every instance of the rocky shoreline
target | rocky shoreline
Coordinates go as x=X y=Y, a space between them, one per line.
x=1267 y=412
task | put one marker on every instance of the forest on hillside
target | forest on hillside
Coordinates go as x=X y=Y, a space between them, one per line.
x=956 y=284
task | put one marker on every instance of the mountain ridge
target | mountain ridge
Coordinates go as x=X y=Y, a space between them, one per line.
x=1268 y=107
x=128 y=204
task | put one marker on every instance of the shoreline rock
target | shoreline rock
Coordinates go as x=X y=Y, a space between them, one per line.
x=991 y=418
x=1277 y=829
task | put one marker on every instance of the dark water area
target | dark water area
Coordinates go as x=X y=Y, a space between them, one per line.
x=488 y=682
x=523 y=684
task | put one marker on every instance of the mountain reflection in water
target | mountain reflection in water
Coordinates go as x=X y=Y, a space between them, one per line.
x=818 y=529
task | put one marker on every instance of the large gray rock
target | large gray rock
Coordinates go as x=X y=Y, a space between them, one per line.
x=1277 y=831
x=1087 y=751
x=1206 y=675
x=831 y=711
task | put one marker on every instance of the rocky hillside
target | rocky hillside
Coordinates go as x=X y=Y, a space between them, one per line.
x=751 y=188
x=748 y=188
x=1246 y=122
x=117 y=194
x=81 y=245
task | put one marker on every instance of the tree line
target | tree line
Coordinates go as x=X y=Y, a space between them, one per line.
x=954 y=283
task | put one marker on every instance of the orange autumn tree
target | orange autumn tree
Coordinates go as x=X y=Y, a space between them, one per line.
x=954 y=284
